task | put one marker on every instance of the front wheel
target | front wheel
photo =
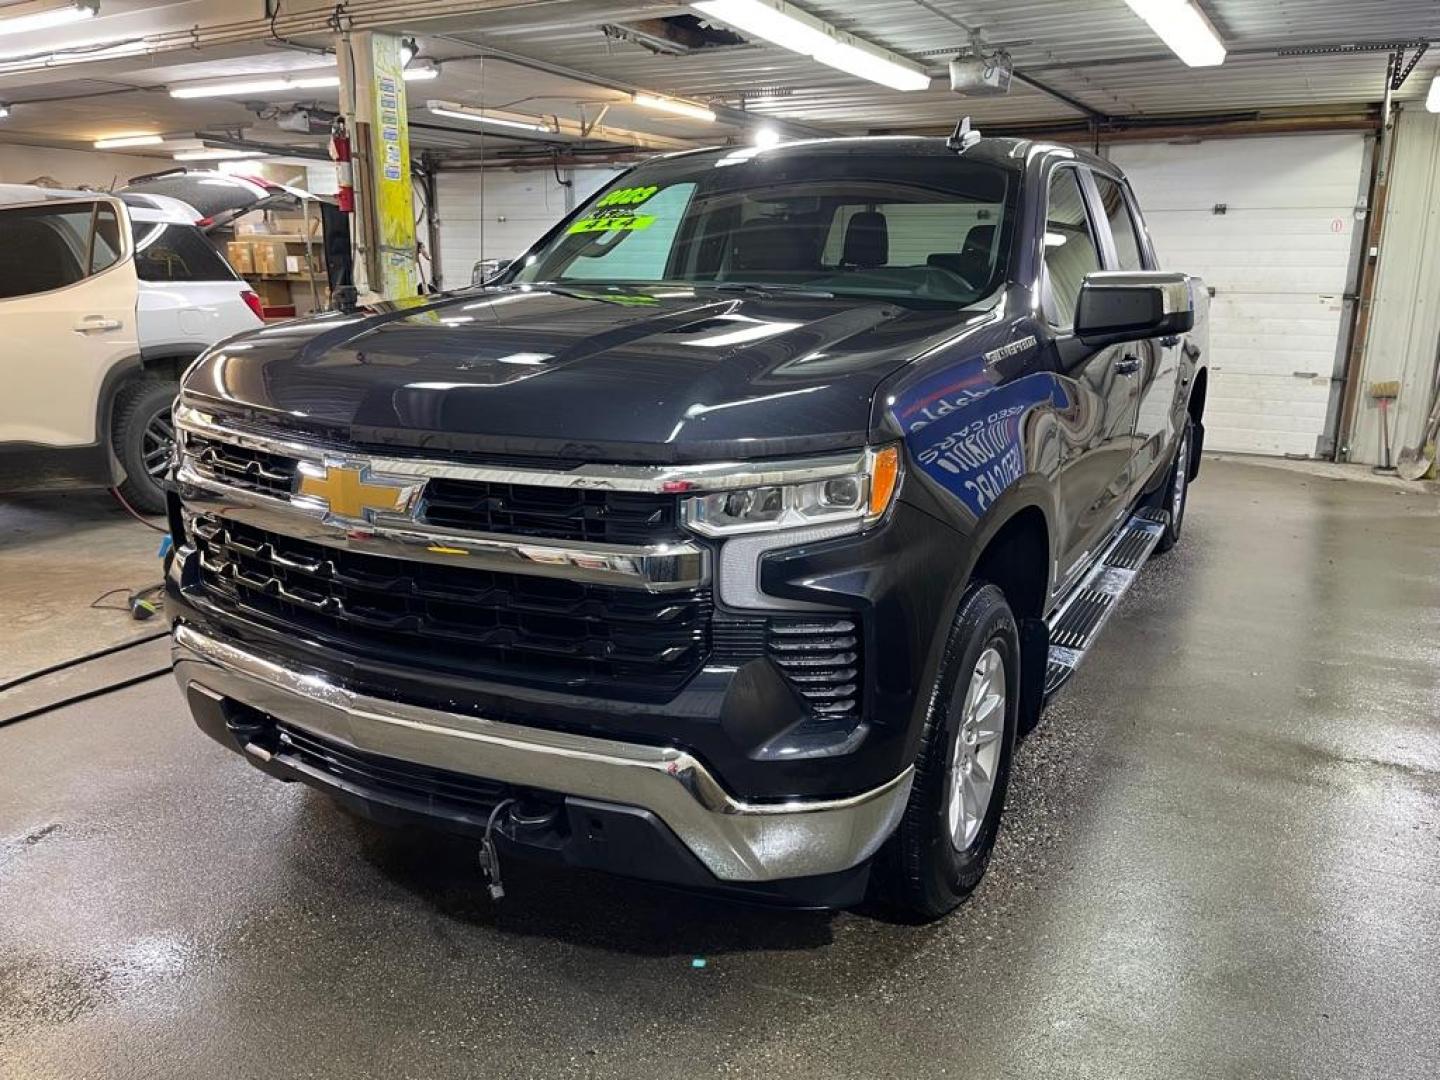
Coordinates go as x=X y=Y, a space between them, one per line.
x=942 y=847
x=1177 y=491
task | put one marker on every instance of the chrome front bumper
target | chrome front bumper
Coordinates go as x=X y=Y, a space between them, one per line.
x=736 y=841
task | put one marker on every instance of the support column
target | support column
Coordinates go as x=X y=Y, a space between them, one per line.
x=373 y=94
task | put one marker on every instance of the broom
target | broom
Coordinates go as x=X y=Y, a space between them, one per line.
x=1382 y=393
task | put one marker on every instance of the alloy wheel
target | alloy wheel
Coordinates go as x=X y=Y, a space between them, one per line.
x=976 y=758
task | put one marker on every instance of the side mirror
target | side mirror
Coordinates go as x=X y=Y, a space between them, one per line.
x=485 y=269
x=1125 y=305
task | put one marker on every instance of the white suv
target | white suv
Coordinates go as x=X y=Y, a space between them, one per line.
x=104 y=300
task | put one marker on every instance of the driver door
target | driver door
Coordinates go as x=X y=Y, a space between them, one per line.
x=1095 y=471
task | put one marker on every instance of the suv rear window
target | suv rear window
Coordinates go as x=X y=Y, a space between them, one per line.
x=171 y=252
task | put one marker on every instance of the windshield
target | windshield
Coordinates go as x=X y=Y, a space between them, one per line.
x=926 y=228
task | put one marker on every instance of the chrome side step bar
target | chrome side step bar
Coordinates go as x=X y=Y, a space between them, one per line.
x=1076 y=622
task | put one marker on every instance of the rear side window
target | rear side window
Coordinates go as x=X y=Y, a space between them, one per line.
x=1122 y=225
x=1070 y=248
x=49 y=247
x=170 y=252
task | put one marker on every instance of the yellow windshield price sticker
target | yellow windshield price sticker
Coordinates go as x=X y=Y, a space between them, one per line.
x=617 y=212
x=622 y=222
x=632 y=196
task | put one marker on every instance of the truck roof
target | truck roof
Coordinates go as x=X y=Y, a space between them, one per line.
x=1005 y=152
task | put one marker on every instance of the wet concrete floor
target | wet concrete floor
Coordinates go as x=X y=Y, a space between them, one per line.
x=1221 y=859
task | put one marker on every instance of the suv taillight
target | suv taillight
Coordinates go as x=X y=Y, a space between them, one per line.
x=253 y=303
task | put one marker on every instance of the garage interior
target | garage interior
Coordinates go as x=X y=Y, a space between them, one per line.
x=1221 y=851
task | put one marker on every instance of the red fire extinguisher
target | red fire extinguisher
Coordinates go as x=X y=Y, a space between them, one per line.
x=340 y=154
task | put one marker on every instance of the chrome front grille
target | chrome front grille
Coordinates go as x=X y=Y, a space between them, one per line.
x=580 y=515
x=242 y=467
x=536 y=630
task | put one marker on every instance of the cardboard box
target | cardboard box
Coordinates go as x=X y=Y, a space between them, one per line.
x=252 y=225
x=269 y=257
x=273 y=293
x=240 y=257
x=296 y=226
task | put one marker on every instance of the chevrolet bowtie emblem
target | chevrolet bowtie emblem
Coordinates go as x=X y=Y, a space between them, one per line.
x=352 y=491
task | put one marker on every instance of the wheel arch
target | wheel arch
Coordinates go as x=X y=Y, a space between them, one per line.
x=1016 y=555
x=1195 y=408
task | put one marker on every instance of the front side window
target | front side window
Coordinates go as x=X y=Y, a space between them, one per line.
x=173 y=252
x=916 y=230
x=52 y=246
x=1122 y=224
x=1070 y=248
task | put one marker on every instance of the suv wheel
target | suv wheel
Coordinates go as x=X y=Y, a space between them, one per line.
x=143 y=438
x=1177 y=492
x=942 y=847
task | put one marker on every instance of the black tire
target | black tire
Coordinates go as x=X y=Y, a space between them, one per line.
x=1176 y=492
x=921 y=874
x=142 y=413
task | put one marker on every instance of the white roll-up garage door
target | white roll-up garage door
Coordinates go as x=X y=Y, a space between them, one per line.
x=497 y=214
x=1269 y=223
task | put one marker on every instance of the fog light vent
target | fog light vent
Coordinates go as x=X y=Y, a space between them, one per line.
x=820 y=658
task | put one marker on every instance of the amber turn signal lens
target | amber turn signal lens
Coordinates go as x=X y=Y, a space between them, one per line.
x=884 y=479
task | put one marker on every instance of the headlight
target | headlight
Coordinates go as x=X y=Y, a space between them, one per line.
x=860 y=494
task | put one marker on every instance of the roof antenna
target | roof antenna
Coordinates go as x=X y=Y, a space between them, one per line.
x=962 y=138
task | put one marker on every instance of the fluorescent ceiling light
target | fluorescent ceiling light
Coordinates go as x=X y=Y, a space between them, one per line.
x=766 y=135
x=4 y=111
x=216 y=154
x=128 y=140
x=1432 y=99
x=44 y=17
x=785 y=25
x=480 y=116
x=1184 y=28
x=279 y=84
x=673 y=105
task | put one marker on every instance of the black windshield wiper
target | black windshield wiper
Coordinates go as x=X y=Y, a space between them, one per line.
x=765 y=289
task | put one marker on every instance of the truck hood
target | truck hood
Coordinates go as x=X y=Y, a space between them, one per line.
x=668 y=375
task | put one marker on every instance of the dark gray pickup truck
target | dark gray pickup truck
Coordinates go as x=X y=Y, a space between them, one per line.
x=729 y=538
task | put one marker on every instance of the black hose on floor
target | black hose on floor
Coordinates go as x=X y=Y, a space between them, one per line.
x=76 y=699
x=96 y=655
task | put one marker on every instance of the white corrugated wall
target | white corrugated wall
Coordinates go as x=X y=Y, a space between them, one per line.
x=1404 y=333
x=1279 y=256
x=498 y=213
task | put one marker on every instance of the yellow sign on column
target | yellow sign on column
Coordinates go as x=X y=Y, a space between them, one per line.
x=390 y=152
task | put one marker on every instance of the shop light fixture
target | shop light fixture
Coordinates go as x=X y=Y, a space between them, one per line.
x=785 y=25
x=119 y=142
x=1184 y=29
x=481 y=116
x=278 y=84
x=673 y=105
x=766 y=136
x=1432 y=99
x=45 y=16
x=217 y=154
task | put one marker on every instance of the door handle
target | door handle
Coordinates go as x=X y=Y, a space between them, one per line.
x=1127 y=365
x=91 y=324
